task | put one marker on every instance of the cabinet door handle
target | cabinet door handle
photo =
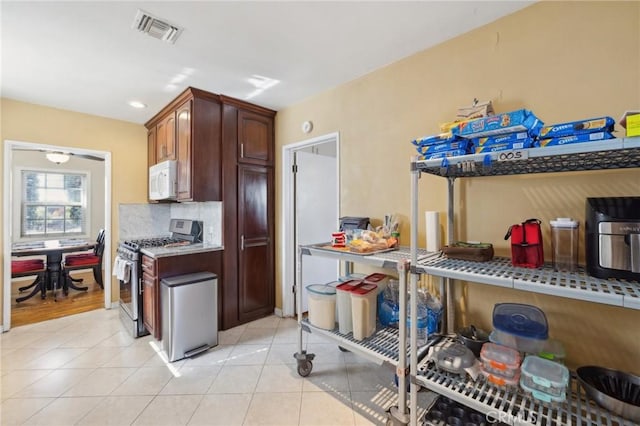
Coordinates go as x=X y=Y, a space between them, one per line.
x=241 y=150
x=242 y=242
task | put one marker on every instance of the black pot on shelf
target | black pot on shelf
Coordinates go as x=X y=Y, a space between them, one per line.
x=473 y=338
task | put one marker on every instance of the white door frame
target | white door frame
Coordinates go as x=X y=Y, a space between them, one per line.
x=8 y=219
x=289 y=251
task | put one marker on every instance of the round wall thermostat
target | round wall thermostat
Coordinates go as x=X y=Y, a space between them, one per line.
x=307 y=126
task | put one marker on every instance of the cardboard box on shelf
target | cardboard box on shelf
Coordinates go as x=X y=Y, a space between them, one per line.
x=633 y=125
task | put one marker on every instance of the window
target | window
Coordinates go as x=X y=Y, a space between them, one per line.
x=53 y=204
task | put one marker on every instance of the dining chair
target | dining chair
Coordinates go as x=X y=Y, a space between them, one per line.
x=27 y=268
x=91 y=260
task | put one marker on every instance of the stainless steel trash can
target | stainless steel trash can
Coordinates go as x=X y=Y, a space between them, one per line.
x=189 y=314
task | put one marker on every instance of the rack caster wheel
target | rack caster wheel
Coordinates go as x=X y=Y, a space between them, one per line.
x=304 y=368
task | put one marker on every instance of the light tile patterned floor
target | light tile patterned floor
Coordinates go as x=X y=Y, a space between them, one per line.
x=85 y=370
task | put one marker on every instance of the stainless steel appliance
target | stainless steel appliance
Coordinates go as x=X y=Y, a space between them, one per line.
x=128 y=268
x=189 y=314
x=612 y=237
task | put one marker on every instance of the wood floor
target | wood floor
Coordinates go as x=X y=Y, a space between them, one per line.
x=36 y=309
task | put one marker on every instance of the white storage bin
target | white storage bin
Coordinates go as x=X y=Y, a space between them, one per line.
x=322 y=306
x=363 y=310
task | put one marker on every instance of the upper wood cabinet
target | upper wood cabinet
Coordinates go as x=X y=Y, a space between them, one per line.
x=184 y=169
x=188 y=131
x=255 y=138
x=151 y=146
x=166 y=138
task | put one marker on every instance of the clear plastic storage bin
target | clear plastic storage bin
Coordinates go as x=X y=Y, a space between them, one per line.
x=381 y=281
x=521 y=327
x=343 y=303
x=500 y=360
x=553 y=350
x=363 y=310
x=500 y=381
x=545 y=380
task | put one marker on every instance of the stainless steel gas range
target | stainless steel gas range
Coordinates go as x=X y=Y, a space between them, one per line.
x=128 y=269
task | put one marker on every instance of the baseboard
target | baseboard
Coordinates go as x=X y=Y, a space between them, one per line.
x=277 y=312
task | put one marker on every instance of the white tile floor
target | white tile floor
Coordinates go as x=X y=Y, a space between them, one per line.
x=85 y=370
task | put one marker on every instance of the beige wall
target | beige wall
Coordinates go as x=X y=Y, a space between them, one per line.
x=562 y=60
x=127 y=143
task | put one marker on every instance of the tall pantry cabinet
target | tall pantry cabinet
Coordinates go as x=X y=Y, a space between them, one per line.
x=248 y=210
x=224 y=148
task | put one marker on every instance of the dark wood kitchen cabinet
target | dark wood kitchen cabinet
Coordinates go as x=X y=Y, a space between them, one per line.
x=193 y=122
x=248 y=211
x=255 y=138
x=224 y=148
x=255 y=226
x=166 y=138
x=150 y=290
x=155 y=269
x=151 y=146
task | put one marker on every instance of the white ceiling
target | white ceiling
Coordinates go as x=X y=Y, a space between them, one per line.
x=86 y=57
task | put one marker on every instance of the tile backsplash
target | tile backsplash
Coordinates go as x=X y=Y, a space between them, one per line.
x=146 y=220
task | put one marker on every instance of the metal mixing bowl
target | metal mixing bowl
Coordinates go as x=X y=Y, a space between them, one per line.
x=616 y=391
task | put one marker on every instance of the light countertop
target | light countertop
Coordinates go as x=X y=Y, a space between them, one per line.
x=157 y=252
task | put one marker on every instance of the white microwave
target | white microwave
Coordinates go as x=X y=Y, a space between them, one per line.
x=162 y=181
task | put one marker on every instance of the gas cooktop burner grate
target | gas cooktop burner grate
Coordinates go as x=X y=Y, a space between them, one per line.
x=152 y=242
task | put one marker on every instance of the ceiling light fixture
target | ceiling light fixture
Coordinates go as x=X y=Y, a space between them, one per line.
x=57 y=157
x=137 y=104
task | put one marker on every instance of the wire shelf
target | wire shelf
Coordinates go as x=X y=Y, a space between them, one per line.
x=609 y=154
x=499 y=272
x=386 y=260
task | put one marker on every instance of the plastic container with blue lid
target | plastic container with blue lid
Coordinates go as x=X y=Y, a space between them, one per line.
x=520 y=326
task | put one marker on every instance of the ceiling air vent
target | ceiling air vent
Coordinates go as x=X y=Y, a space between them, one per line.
x=155 y=27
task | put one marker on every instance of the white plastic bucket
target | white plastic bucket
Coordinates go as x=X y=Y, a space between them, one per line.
x=322 y=306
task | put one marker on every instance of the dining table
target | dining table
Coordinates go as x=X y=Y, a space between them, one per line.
x=53 y=250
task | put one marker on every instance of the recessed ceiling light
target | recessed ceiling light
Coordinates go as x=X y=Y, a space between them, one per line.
x=137 y=104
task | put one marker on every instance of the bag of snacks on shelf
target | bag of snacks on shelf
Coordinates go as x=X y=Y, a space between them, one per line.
x=526 y=244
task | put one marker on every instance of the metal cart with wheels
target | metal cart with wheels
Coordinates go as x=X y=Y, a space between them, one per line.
x=386 y=343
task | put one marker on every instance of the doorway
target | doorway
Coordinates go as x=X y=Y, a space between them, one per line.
x=311 y=208
x=12 y=147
